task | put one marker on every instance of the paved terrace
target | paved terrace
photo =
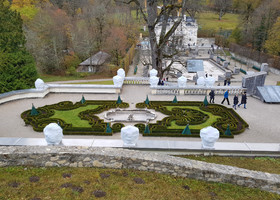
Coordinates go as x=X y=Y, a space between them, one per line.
x=263 y=119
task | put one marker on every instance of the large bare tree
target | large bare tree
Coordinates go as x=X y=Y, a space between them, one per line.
x=160 y=13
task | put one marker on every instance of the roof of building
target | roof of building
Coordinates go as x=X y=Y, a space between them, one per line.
x=195 y=65
x=97 y=59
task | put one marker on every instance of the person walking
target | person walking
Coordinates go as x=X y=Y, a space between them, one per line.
x=226 y=97
x=235 y=101
x=243 y=100
x=225 y=82
x=212 y=96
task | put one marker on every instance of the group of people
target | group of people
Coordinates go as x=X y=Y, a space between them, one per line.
x=235 y=99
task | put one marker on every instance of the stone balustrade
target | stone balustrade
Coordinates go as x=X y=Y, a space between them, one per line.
x=136 y=81
x=58 y=88
x=196 y=90
x=61 y=156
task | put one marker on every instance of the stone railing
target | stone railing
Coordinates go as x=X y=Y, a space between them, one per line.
x=58 y=88
x=61 y=156
x=136 y=81
x=196 y=90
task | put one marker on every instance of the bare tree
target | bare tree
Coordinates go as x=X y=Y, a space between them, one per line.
x=194 y=7
x=155 y=14
x=222 y=7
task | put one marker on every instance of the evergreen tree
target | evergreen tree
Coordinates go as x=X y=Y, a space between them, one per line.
x=17 y=67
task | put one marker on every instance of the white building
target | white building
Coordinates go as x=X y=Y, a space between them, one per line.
x=185 y=34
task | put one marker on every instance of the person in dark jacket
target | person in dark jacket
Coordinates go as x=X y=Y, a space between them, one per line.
x=226 y=97
x=212 y=96
x=235 y=101
x=243 y=100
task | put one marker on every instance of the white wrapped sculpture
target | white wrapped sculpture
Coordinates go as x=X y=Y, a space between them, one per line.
x=209 y=81
x=121 y=72
x=182 y=81
x=250 y=72
x=39 y=84
x=129 y=135
x=153 y=72
x=53 y=134
x=209 y=136
x=154 y=81
x=201 y=81
x=118 y=81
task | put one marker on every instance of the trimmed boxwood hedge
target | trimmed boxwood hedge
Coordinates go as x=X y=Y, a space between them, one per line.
x=183 y=116
x=98 y=126
x=178 y=114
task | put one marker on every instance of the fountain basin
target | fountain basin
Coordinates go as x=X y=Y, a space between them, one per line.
x=133 y=115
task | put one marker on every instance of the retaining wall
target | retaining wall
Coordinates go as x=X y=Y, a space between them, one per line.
x=59 y=156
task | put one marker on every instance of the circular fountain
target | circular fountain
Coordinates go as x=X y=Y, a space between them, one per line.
x=133 y=115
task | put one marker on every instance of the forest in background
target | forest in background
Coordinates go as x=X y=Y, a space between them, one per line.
x=62 y=33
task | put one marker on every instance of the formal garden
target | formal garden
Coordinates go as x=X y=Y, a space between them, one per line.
x=183 y=118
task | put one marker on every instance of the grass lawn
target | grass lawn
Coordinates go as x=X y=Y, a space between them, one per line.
x=71 y=116
x=210 y=21
x=82 y=183
x=265 y=164
x=53 y=78
x=278 y=82
x=209 y=122
x=108 y=82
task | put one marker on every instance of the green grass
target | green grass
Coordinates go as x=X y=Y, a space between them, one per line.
x=209 y=122
x=120 y=185
x=265 y=164
x=71 y=116
x=210 y=21
x=278 y=83
x=108 y=82
x=52 y=78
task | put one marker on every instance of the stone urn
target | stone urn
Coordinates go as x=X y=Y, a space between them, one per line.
x=153 y=72
x=154 y=81
x=118 y=81
x=209 y=136
x=53 y=134
x=129 y=135
x=121 y=72
x=39 y=84
x=182 y=82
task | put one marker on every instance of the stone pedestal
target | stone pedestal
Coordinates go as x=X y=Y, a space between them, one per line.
x=218 y=60
x=226 y=64
x=209 y=136
x=264 y=67
x=53 y=134
x=129 y=135
x=236 y=70
x=228 y=74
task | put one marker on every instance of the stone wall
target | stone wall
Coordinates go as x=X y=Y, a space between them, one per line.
x=50 y=156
